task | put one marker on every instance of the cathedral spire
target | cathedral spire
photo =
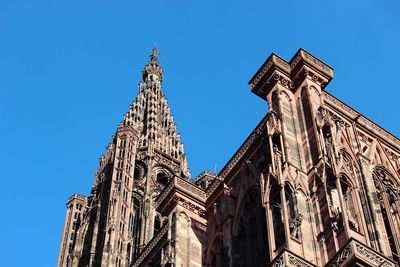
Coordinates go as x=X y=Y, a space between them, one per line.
x=151 y=116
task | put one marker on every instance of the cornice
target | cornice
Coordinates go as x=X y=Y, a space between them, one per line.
x=178 y=186
x=122 y=129
x=77 y=198
x=289 y=74
x=315 y=63
x=272 y=60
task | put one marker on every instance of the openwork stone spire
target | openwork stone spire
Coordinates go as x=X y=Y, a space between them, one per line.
x=151 y=115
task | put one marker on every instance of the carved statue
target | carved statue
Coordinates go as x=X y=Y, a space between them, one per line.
x=294 y=225
x=277 y=157
x=336 y=219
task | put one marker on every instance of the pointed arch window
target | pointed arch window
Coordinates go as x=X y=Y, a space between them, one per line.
x=140 y=170
x=387 y=200
x=137 y=205
x=252 y=233
x=162 y=178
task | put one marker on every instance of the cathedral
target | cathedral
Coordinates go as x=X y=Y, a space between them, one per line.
x=316 y=183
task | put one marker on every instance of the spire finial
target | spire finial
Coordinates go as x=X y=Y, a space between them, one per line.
x=154 y=54
x=153 y=67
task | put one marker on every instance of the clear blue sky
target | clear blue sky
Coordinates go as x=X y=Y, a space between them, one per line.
x=69 y=70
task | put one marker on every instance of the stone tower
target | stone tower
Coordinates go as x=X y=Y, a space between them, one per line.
x=118 y=219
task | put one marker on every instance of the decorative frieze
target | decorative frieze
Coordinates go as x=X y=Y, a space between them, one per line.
x=362 y=120
x=213 y=186
x=333 y=101
x=167 y=161
x=189 y=205
x=286 y=258
x=354 y=251
x=378 y=130
x=184 y=184
x=272 y=60
x=311 y=60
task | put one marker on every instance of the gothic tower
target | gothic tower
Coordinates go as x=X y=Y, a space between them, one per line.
x=112 y=225
x=315 y=184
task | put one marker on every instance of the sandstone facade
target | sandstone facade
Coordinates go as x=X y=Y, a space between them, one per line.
x=315 y=184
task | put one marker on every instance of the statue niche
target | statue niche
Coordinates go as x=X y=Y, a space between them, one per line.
x=334 y=203
x=295 y=218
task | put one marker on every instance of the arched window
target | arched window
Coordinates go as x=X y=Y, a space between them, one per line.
x=162 y=178
x=388 y=200
x=252 y=232
x=128 y=253
x=137 y=226
x=140 y=170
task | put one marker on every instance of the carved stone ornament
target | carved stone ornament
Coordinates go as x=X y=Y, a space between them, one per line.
x=356 y=250
x=336 y=219
x=342 y=256
x=287 y=258
x=199 y=225
x=333 y=101
x=273 y=123
x=213 y=186
x=189 y=206
x=323 y=117
x=295 y=224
